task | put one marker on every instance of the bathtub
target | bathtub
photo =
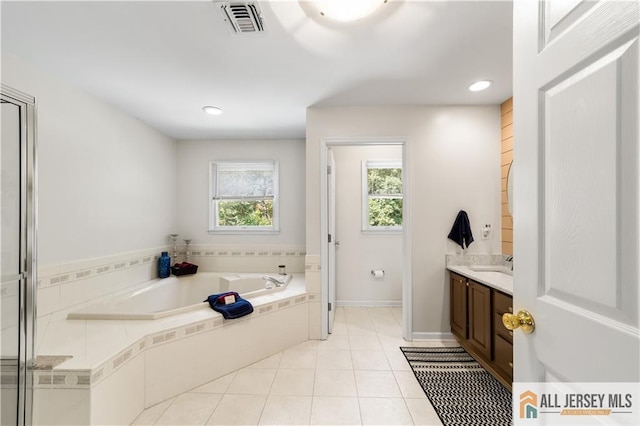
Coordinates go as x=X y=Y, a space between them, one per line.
x=176 y=295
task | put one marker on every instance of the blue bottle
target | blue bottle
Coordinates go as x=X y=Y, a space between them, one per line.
x=164 y=265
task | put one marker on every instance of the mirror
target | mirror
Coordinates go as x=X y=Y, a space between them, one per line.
x=510 y=189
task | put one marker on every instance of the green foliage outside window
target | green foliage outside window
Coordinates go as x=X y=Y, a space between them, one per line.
x=385 y=212
x=384 y=181
x=385 y=196
x=245 y=213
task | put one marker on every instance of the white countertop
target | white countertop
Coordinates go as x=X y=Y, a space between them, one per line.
x=498 y=280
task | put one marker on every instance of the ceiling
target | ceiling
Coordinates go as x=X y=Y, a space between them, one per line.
x=162 y=61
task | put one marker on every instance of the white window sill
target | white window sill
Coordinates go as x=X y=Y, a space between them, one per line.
x=382 y=231
x=244 y=231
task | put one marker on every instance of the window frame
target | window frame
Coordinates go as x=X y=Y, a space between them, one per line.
x=378 y=164
x=214 y=227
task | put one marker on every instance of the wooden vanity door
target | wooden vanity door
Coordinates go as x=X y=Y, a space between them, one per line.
x=480 y=319
x=458 y=305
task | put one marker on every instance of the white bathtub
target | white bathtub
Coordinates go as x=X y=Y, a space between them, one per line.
x=175 y=295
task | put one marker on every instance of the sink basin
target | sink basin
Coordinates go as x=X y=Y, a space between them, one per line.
x=492 y=268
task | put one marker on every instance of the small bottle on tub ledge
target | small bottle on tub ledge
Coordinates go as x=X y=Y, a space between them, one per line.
x=164 y=265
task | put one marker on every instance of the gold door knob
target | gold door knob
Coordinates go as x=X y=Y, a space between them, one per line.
x=522 y=320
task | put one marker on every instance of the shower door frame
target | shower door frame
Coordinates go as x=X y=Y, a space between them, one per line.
x=28 y=261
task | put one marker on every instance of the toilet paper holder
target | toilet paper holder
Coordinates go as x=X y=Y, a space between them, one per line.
x=377 y=273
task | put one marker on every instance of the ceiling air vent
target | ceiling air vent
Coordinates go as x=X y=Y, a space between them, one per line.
x=244 y=17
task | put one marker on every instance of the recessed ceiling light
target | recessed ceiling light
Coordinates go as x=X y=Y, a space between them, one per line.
x=480 y=85
x=347 y=10
x=212 y=110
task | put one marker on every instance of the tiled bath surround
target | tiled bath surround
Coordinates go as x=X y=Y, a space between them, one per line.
x=66 y=285
x=161 y=358
x=245 y=259
x=63 y=286
x=163 y=364
x=313 y=279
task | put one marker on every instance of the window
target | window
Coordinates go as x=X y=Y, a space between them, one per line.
x=382 y=195
x=244 y=196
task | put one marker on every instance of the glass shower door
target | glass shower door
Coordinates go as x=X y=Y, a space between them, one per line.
x=17 y=227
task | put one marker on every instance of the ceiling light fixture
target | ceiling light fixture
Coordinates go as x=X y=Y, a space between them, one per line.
x=480 y=85
x=212 y=110
x=347 y=10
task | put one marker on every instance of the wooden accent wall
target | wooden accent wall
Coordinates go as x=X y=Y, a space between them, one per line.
x=506 y=145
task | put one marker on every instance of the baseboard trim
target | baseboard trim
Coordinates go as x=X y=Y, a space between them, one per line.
x=369 y=303
x=432 y=336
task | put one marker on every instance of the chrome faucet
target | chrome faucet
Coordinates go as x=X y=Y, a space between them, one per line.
x=275 y=281
x=510 y=260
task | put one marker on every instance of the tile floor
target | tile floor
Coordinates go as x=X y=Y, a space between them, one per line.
x=357 y=376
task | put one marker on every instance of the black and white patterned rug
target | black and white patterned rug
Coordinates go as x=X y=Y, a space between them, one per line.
x=460 y=390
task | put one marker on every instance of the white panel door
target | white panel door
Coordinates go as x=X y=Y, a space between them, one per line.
x=576 y=210
x=331 y=215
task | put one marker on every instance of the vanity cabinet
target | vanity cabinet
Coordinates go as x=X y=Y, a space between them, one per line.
x=476 y=321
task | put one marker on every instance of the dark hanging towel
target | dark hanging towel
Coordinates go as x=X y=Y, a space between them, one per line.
x=461 y=230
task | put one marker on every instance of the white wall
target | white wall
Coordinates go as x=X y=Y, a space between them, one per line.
x=359 y=253
x=193 y=188
x=454 y=159
x=106 y=181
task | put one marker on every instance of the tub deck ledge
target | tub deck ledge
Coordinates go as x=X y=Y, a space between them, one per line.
x=95 y=344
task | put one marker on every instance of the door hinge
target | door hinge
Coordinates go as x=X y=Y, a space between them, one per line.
x=329 y=237
x=328 y=170
x=329 y=306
